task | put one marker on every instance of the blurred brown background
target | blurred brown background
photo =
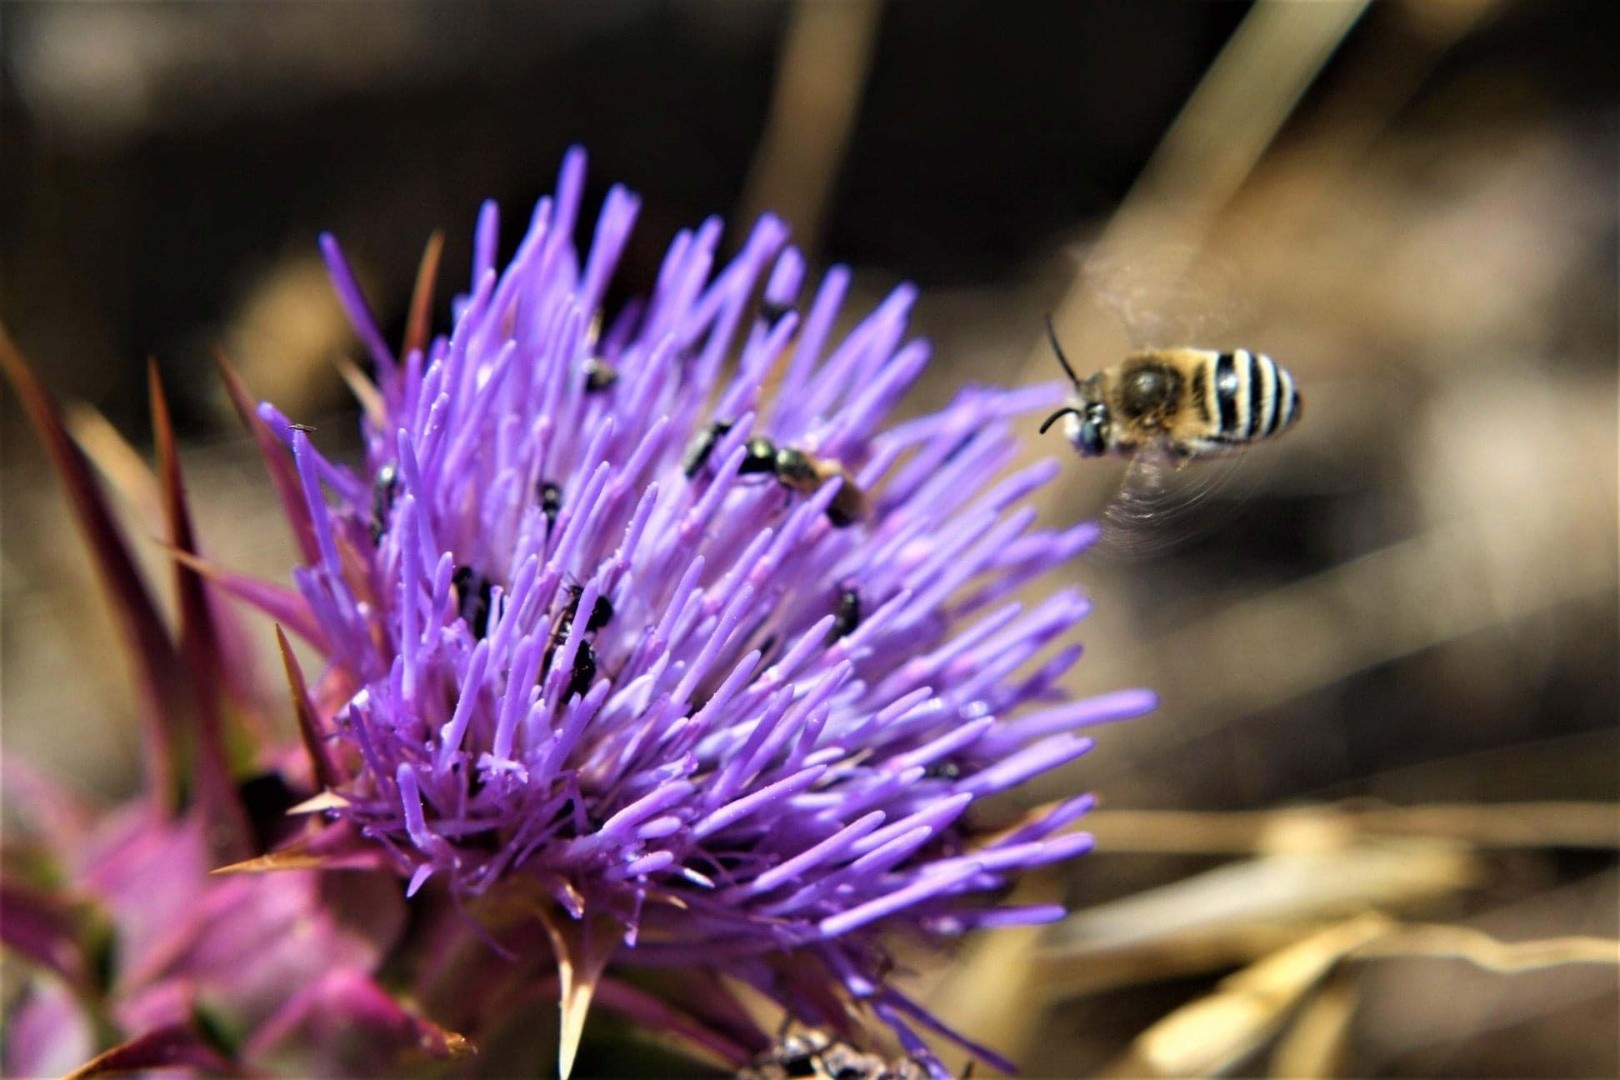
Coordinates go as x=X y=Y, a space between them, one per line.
x=1404 y=615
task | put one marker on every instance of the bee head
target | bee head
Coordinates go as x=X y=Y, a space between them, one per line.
x=1085 y=425
x=1089 y=430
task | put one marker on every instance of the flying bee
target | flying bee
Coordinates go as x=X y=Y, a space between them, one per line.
x=1188 y=403
x=794 y=469
x=1163 y=408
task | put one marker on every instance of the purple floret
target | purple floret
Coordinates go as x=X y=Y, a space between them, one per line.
x=598 y=646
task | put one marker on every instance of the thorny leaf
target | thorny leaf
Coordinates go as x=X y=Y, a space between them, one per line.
x=228 y=832
x=418 y=322
x=175 y=1046
x=327 y=773
x=156 y=660
x=277 y=462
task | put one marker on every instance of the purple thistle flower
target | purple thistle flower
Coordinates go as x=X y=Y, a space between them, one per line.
x=662 y=628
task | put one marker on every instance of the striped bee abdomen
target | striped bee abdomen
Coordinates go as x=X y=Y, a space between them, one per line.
x=1253 y=397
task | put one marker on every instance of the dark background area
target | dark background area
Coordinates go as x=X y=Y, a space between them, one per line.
x=132 y=230
x=1411 y=601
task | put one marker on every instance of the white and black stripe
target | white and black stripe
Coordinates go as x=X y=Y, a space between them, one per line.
x=1224 y=390
x=1287 y=401
x=1262 y=395
x=1251 y=395
x=1243 y=364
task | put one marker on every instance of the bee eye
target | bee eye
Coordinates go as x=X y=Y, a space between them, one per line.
x=1091 y=439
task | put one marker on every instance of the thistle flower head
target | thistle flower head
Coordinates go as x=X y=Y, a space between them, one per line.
x=652 y=614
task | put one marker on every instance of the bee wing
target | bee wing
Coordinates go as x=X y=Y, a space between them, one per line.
x=1166 y=501
x=1174 y=296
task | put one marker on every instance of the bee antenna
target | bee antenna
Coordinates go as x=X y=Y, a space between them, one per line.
x=1068 y=369
x=1065 y=411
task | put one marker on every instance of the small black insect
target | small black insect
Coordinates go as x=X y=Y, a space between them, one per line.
x=793 y=469
x=848 y=616
x=760 y=457
x=702 y=446
x=584 y=673
x=585 y=658
x=473 y=599
x=601 y=611
x=384 y=489
x=799 y=471
x=550 y=502
x=599 y=375
x=601 y=614
x=796 y=469
x=847 y=507
x=772 y=312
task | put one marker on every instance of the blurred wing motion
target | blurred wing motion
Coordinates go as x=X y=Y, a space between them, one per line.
x=1171 y=297
x=1163 y=503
